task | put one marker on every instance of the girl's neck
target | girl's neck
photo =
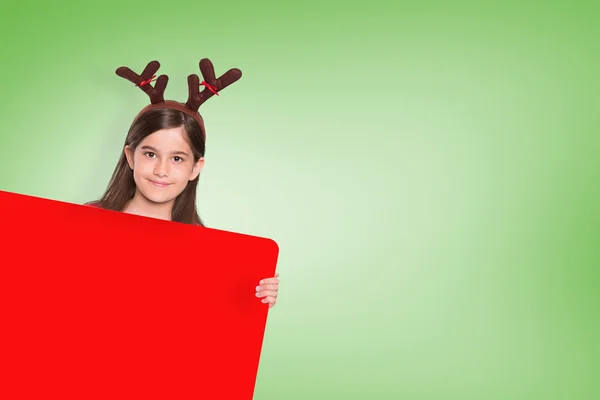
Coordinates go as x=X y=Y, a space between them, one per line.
x=140 y=205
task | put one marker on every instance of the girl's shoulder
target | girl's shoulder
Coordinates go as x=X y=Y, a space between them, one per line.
x=96 y=205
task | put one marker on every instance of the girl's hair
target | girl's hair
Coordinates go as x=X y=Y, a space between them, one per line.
x=121 y=187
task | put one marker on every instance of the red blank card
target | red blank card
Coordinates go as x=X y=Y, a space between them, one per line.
x=97 y=304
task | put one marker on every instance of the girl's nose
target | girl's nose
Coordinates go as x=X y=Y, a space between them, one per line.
x=162 y=169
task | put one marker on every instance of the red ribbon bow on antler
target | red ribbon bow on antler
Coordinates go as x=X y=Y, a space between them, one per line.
x=210 y=87
x=144 y=83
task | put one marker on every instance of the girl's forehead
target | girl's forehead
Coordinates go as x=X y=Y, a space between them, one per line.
x=167 y=139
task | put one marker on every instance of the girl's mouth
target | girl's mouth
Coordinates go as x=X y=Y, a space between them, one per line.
x=159 y=184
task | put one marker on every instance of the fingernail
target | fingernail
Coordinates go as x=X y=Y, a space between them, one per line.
x=261 y=282
x=258 y=288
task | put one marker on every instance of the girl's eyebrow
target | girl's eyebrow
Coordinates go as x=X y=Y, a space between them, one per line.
x=156 y=151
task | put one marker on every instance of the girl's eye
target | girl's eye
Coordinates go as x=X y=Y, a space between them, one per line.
x=178 y=159
x=150 y=154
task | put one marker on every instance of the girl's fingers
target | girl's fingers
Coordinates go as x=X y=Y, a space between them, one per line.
x=267 y=287
x=269 y=281
x=270 y=300
x=266 y=293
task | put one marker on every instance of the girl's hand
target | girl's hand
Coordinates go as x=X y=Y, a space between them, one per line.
x=267 y=289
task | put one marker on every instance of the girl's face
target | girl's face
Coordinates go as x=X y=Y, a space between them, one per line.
x=163 y=164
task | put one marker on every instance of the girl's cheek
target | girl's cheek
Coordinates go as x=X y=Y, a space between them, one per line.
x=182 y=166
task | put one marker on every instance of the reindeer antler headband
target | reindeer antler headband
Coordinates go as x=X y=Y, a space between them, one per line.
x=195 y=97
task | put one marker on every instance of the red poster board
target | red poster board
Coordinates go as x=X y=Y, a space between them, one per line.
x=97 y=304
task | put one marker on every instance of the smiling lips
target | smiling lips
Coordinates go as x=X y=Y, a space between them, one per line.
x=159 y=184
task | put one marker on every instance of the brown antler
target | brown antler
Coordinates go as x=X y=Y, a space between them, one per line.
x=196 y=98
x=155 y=93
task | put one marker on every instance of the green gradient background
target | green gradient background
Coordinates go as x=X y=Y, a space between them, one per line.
x=429 y=172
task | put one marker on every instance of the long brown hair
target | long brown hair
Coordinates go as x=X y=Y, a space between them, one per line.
x=121 y=186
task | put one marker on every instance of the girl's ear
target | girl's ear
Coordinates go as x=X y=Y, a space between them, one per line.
x=129 y=155
x=197 y=169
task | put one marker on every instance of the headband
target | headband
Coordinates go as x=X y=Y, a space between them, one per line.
x=212 y=86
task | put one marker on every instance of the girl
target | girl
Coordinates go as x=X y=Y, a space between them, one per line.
x=158 y=171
